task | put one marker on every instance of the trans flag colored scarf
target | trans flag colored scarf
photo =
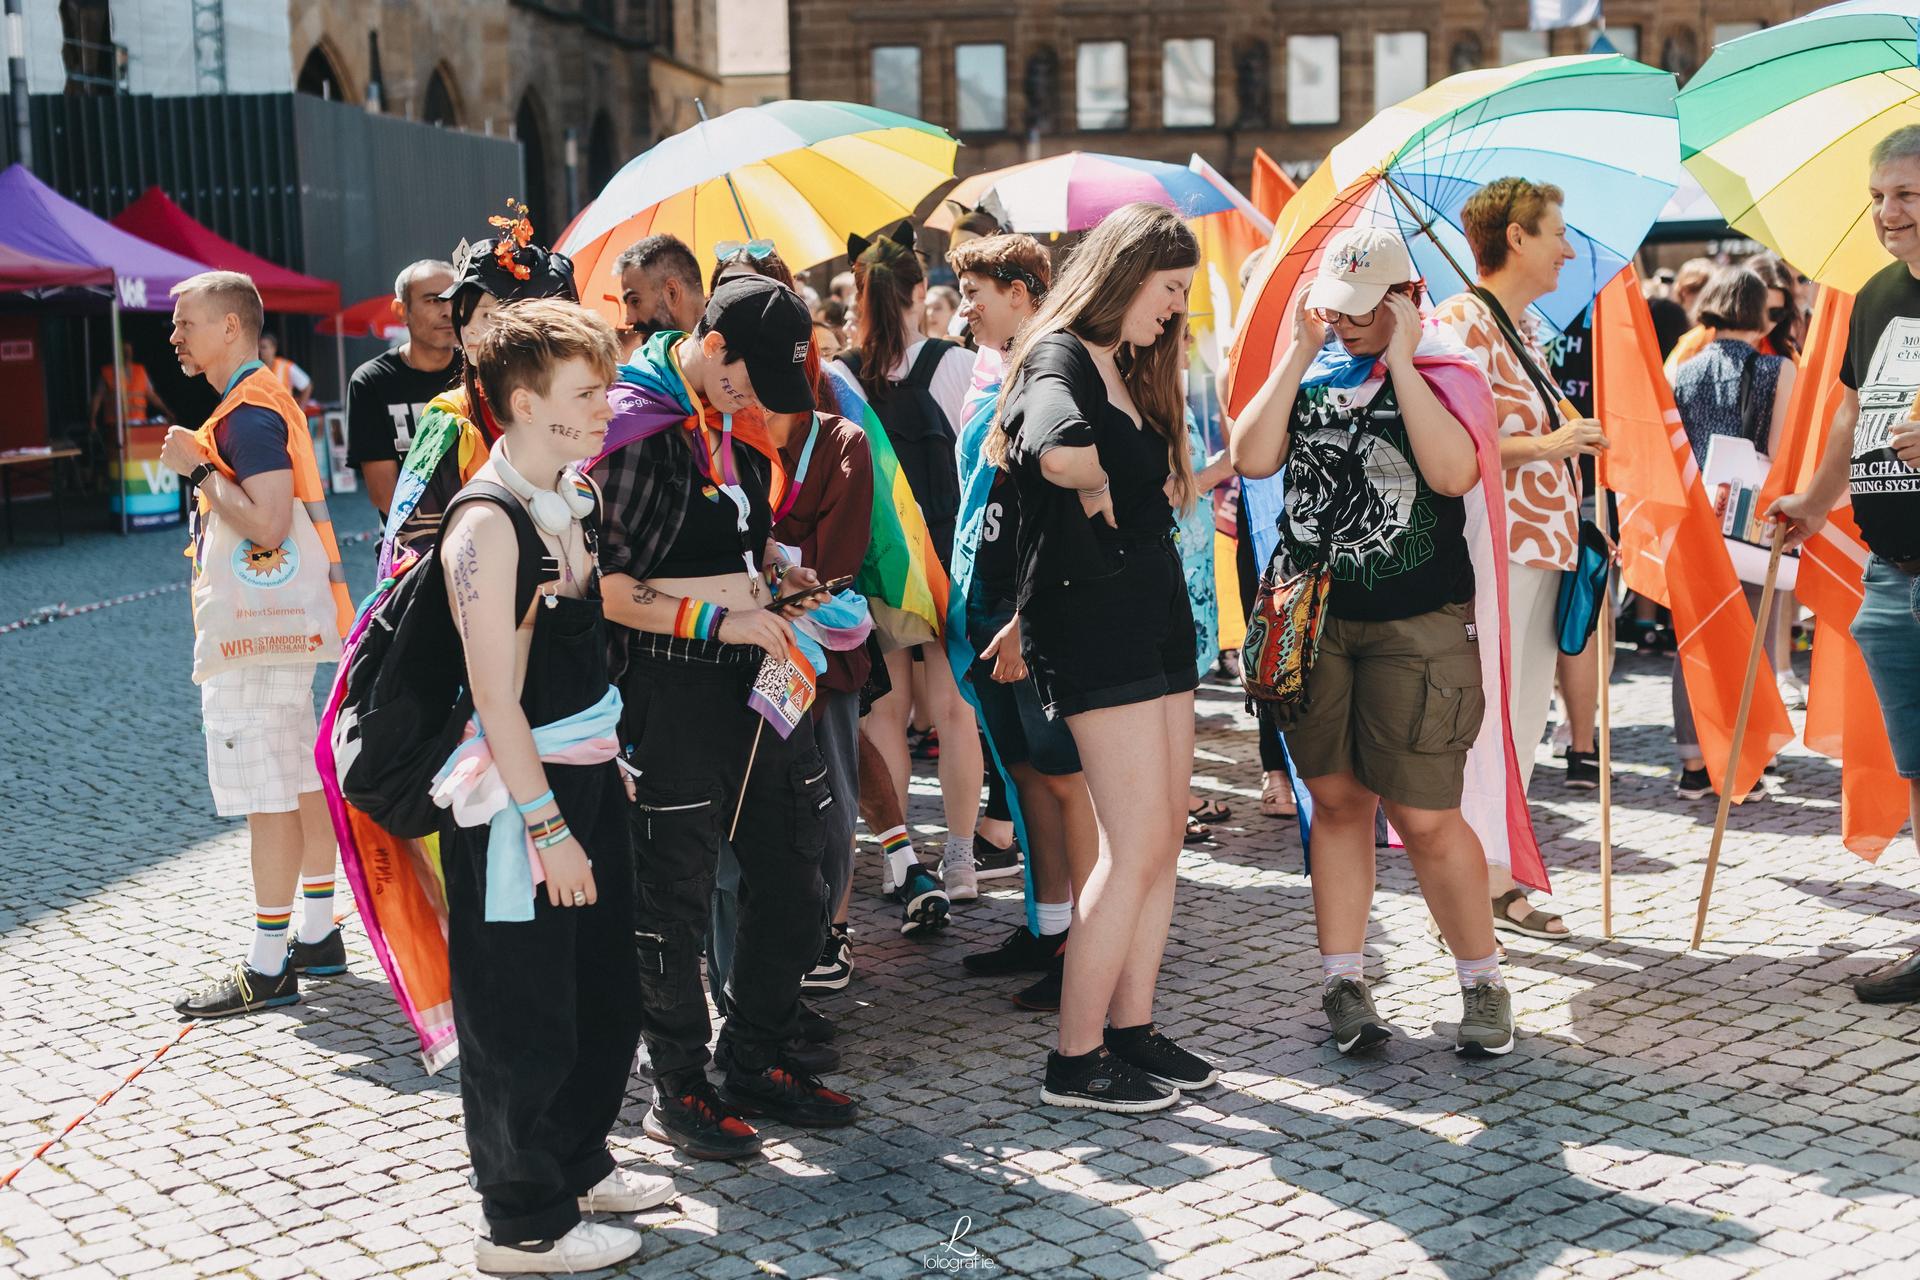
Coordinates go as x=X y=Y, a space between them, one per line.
x=901 y=576
x=976 y=482
x=1493 y=802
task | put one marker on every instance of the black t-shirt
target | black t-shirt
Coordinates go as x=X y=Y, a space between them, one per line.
x=1058 y=400
x=1669 y=323
x=996 y=564
x=253 y=441
x=1883 y=365
x=385 y=398
x=1399 y=549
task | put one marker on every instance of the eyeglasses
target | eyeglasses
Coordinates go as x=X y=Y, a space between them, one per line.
x=1326 y=315
x=728 y=250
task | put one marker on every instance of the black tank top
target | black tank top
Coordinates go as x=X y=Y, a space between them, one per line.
x=709 y=541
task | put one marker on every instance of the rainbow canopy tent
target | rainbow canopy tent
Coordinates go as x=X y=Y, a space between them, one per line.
x=154 y=217
x=36 y=220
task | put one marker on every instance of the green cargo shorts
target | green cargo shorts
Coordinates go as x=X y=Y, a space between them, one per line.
x=1397 y=704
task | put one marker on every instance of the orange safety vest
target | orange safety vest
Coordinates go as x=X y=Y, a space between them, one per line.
x=267 y=393
x=137 y=387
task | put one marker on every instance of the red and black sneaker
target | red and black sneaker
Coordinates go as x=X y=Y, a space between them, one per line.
x=697 y=1122
x=784 y=1092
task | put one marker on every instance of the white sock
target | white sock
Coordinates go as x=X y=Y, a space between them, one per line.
x=899 y=852
x=1351 y=965
x=316 y=907
x=1480 y=972
x=1054 y=917
x=269 y=953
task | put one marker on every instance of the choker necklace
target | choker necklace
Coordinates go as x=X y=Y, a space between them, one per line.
x=554 y=510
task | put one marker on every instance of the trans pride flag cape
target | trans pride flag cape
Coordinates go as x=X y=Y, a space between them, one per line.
x=976 y=481
x=901 y=576
x=1492 y=802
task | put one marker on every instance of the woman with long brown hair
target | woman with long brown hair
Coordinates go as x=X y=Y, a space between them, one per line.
x=918 y=387
x=1093 y=430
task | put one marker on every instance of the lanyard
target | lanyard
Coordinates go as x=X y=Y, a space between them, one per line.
x=238 y=374
x=800 y=473
x=720 y=469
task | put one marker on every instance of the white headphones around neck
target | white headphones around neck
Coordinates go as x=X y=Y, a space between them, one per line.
x=553 y=509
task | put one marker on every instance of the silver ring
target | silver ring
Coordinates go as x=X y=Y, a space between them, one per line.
x=579 y=898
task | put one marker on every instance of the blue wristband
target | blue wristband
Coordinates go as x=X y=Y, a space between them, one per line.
x=535 y=805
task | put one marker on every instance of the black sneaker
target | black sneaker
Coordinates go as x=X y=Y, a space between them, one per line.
x=1893 y=983
x=1043 y=996
x=1160 y=1057
x=243 y=990
x=1102 y=1081
x=320 y=959
x=785 y=1092
x=815 y=1027
x=924 y=906
x=696 y=1121
x=835 y=967
x=1583 y=770
x=801 y=1052
x=991 y=862
x=1693 y=784
x=1023 y=951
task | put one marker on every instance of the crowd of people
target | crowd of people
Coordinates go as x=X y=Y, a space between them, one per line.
x=632 y=526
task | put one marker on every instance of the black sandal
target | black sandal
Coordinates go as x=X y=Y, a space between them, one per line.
x=1209 y=811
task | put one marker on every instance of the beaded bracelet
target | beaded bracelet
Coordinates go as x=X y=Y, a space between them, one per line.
x=698 y=620
x=560 y=836
x=532 y=807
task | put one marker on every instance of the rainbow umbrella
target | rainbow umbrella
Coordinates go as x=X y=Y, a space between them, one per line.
x=1777 y=126
x=1071 y=192
x=804 y=175
x=1225 y=238
x=1600 y=127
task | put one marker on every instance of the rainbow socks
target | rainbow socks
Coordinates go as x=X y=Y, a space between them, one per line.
x=316 y=907
x=898 y=847
x=269 y=954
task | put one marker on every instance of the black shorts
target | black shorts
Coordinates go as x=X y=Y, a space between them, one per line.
x=1124 y=638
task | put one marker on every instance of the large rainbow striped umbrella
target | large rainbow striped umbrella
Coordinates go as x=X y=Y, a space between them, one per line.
x=1777 y=126
x=1600 y=127
x=804 y=175
x=1074 y=190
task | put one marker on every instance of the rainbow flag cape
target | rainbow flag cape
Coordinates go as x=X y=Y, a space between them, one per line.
x=443 y=425
x=901 y=576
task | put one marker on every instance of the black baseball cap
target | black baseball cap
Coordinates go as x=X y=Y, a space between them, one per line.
x=766 y=324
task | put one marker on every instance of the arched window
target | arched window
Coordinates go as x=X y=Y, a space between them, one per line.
x=442 y=105
x=601 y=161
x=533 y=151
x=320 y=76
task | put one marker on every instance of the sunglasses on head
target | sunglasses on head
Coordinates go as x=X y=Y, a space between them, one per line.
x=728 y=250
x=1009 y=274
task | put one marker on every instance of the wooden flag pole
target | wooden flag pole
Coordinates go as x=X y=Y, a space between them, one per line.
x=1739 y=732
x=1605 y=640
x=745 y=775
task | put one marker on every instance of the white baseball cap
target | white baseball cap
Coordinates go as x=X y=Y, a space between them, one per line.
x=1359 y=266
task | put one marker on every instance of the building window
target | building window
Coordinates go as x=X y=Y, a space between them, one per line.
x=1186 y=84
x=1522 y=46
x=1043 y=91
x=1399 y=66
x=1626 y=40
x=1313 y=80
x=1251 y=62
x=896 y=78
x=980 y=87
x=1468 y=54
x=1100 y=85
x=1725 y=31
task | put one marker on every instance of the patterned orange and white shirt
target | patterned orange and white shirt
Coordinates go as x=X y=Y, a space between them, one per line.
x=1543 y=499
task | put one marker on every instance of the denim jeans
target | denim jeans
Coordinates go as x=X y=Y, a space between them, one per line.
x=1887 y=629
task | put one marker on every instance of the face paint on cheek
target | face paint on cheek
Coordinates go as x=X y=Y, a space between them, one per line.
x=565 y=432
x=732 y=393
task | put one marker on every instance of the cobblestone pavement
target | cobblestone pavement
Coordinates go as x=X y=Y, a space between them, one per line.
x=1702 y=1116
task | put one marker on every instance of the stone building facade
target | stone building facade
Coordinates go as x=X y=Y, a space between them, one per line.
x=1016 y=79
x=584 y=85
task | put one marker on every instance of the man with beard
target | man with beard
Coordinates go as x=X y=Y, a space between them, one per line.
x=660 y=286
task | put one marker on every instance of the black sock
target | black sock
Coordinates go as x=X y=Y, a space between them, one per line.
x=1069 y=1061
x=1123 y=1036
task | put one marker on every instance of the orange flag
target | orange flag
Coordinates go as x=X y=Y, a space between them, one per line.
x=1843 y=715
x=1670 y=544
x=1272 y=188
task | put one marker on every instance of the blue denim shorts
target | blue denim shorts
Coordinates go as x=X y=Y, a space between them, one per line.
x=1887 y=629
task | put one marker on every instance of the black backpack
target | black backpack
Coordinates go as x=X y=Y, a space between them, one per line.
x=921 y=436
x=405 y=702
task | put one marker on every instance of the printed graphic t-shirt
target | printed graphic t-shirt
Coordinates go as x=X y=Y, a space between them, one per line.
x=1399 y=549
x=1883 y=364
x=385 y=398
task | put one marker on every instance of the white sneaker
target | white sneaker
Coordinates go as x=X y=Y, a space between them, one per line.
x=588 y=1247
x=625 y=1191
x=957 y=873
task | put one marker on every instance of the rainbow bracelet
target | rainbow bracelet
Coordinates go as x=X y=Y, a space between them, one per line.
x=698 y=620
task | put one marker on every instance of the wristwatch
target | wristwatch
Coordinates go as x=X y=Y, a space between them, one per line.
x=198 y=476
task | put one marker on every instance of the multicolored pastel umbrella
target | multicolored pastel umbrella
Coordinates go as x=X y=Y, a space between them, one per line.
x=1777 y=126
x=1072 y=191
x=804 y=175
x=1600 y=127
